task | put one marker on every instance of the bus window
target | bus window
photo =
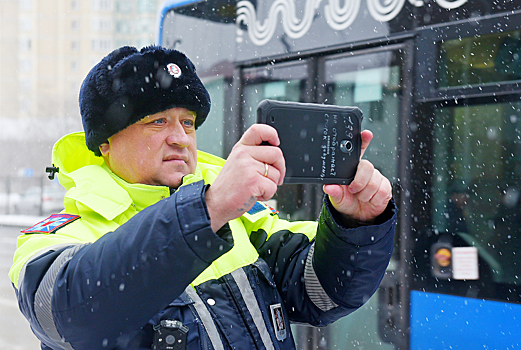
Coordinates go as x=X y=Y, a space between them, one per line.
x=371 y=82
x=213 y=127
x=477 y=186
x=281 y=82
x=284 y=82
x=480 y=60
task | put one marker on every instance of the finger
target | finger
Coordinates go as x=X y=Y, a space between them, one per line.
x=363 y=175
x=366 y=137
x=269 y=188
x=372 y=187
x=259 y=133
x=272 y=156
x=384 y=193
x=272 y=173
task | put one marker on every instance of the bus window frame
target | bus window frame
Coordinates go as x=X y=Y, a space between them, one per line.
x=427 y=52
x=428 y=97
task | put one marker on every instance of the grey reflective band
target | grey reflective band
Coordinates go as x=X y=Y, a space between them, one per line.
x=316 y=293
x=251 y=303
x=206 y=318
x=37 y=255
x=43 y=297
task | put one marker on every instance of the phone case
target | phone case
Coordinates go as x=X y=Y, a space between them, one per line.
x=321 y=143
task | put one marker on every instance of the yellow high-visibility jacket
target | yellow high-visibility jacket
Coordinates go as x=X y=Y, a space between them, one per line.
x=123 y=258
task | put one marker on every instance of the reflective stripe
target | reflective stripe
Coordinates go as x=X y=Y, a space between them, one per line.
x=36 y=256
x=316 y=293
x=43 y=297
x=251 y=303
x=206 y=318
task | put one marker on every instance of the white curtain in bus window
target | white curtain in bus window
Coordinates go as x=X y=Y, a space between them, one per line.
x=477 y=183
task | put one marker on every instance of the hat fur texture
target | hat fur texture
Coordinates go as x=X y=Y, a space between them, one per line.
x=128 y=85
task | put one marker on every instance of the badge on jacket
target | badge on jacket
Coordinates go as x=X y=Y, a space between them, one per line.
x=52 y=223
x=277 y=318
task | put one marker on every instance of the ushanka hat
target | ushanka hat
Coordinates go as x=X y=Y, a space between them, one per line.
x=128 y=84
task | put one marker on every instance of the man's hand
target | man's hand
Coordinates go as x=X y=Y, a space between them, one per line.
x=241 y=181
x=367 y=196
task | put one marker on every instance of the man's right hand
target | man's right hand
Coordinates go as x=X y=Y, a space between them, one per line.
x=241 y=181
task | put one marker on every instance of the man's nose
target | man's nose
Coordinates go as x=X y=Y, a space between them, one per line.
x=177 y=136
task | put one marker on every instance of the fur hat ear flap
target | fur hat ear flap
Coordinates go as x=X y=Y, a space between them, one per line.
x=128 y=85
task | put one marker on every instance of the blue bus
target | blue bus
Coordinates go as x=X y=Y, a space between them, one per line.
x=439 y=83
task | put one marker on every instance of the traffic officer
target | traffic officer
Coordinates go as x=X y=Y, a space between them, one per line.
x=162 y=246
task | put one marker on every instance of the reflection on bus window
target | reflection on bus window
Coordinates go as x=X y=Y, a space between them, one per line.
x=480 y=60
x=477 y=153
x=283 y=83
x=372 y=83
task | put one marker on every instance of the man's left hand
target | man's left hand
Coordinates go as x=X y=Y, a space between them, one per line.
x=368 y=194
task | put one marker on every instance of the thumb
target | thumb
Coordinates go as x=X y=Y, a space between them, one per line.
x=334 y=192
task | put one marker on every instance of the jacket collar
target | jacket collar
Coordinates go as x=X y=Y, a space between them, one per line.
x=90 y=182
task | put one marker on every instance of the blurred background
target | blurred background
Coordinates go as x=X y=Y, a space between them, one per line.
x=46 y=49
x=439 y=82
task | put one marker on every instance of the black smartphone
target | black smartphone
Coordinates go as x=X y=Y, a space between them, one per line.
x=321 y=143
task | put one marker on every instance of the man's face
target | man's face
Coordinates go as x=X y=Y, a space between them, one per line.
x=157 y=150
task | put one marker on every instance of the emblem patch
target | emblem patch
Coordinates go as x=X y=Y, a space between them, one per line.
x=52 y=223
x=174 y=70
x=259 y=206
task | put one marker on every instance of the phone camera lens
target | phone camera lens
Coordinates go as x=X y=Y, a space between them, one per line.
x=346 y=146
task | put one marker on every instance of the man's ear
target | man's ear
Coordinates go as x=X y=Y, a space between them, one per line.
x=104 y=148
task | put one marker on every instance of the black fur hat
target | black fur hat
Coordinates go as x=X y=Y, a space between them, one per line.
x=127 y=85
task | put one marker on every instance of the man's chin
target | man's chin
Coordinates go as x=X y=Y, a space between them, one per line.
x=174 y=181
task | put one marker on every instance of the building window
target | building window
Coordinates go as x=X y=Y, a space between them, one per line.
x=101 y=44
x=26 y=24
x=25 y=44
x=26 y=65
x=102 y=5
x=146 y=6
x=102 y=25
x=123 y=6
x=123 y=27
x=75 y=5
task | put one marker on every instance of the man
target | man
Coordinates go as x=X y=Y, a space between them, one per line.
x=164 y=247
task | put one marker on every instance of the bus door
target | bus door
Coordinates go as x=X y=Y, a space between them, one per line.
x=466 y=280
x=371 y=78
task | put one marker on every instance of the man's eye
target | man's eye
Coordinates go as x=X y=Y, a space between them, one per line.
x=188 y=122
x=159 y=121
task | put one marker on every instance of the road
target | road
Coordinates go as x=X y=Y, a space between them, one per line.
x=15 y=333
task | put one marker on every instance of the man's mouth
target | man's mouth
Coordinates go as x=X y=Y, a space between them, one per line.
x=174 y=158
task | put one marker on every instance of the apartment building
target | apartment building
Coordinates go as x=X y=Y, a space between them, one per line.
x=46 y=49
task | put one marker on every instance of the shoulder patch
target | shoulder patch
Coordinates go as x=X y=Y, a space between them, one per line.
x=52 y=223
x=259 y=206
